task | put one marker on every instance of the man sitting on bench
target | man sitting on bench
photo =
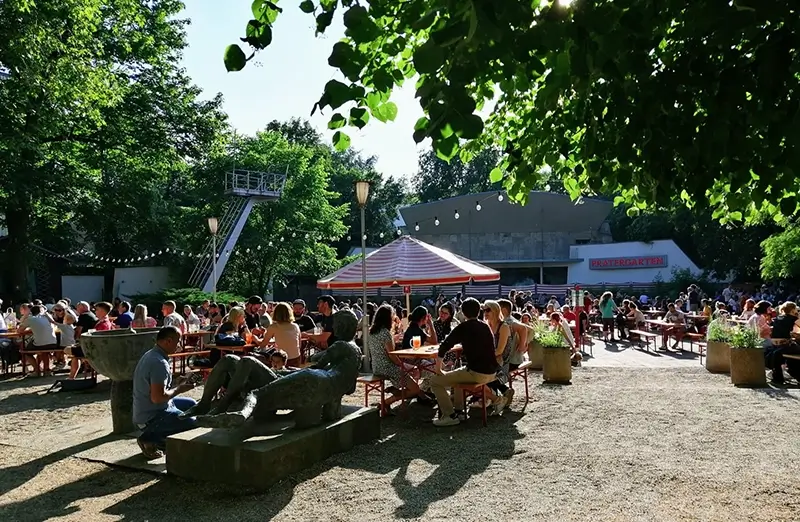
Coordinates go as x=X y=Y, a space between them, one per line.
x=477 y=344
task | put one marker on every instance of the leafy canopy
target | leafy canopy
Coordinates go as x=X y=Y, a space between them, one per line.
x=654 y=100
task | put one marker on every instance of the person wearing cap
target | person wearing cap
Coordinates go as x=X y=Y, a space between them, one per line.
x=301 y=317
x=256 y=321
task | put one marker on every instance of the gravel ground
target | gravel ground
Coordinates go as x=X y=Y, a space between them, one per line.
x=619 y=444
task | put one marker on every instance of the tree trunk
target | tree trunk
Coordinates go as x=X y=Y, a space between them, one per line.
x=122 y=406
x=17 y=255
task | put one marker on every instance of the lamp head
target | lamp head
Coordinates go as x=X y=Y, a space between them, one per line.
x=213 y=225
x=362 y=192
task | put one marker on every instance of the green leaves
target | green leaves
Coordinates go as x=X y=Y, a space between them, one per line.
x=341 y=141
x=359 y=117
x=385 y=112
x=259 y=35
x=336 y=94
x=235 y=59
x=360 y=26
x=428 y=58
x=307 y=6
x=337 y=121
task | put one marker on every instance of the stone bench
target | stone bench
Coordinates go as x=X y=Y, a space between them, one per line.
x=274 y=452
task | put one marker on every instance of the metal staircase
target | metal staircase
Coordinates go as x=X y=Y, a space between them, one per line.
x=246 y=188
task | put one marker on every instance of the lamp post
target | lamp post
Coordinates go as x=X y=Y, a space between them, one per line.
x=362 y=194
x=213 y=227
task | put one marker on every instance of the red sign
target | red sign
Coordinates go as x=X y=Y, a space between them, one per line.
x=407 y=290
x=612 y=263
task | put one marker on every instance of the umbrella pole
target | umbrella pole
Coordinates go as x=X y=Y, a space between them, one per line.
x=408 y=303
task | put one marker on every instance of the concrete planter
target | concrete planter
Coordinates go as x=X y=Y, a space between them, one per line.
x=718 y=357
x=556 y=365
x=747 y=367
x=536 y=354
x=115 y=353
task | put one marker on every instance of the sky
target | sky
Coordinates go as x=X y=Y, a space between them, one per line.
x=287 y=79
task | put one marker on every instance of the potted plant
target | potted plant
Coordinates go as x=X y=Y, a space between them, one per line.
x=535 y=352
x=556 y=366
x=718 y=348
x=747 y=358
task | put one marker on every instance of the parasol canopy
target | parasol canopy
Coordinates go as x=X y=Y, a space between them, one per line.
x=409 y=262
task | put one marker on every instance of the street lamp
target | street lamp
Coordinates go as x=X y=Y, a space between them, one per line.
x=362 y=194
x=213 y=227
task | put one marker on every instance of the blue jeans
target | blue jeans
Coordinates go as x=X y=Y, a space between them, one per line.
x=168 y=423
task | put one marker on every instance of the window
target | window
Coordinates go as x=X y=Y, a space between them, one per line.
x=554 y=275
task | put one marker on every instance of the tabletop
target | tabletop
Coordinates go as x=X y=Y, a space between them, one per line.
x=658 y=322
x=426 y=352
x=12 y=335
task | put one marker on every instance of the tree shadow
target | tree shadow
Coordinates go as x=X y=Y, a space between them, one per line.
x=779 y=393
x=40 y=399
x=15 y=476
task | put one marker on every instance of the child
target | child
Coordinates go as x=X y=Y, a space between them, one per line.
x=278 y=360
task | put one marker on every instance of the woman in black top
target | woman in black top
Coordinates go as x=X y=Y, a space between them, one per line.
x=784 y=336
x=420 y=324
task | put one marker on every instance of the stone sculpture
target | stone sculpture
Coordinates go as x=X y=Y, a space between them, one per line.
x=114 y=353
x=314 y=393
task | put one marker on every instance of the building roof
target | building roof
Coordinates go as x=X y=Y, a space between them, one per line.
x=543 y=212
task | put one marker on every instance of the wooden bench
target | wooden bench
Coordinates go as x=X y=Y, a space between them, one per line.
x=374 y=382
x=33 y=353
x=693 y=337
x=646 y=337
x=598 y=329
x=521 y=372
x=471 y=390
x=182 y=356
x=701 y=350
x=791 y=356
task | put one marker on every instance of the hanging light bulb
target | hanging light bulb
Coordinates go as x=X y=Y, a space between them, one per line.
x=167 y=251
x=139 y=259
x=294 y=234
x=270 y=244
x=364 y=237
x=500 y=196
x=416 y=227
x=248 y=250
x=306 y=235
x=399 y=232
x=456 y=215
x=381 y=235
x=160 y=252
x=547 y=188
x=478 y=206
x=436 y=221
x=348 y=238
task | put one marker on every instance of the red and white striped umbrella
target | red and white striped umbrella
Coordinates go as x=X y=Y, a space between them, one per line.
x=409 y=262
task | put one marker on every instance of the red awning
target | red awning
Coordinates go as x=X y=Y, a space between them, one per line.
x=409 y=262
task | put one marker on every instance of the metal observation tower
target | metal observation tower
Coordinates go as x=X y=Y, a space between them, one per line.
x=245 y=188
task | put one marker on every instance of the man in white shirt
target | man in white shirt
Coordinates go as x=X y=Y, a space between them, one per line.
x=44 y=339
x=172 y=318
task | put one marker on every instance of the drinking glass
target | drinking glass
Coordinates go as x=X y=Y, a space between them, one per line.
x=416 y=342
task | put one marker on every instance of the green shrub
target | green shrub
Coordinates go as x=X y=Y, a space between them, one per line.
x=552 y=339
x=720 y=330
x=181 y=296
x=745 y=337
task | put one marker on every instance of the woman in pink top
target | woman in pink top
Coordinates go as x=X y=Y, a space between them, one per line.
x=285 y=332
x=759 y=321
x=140 y=318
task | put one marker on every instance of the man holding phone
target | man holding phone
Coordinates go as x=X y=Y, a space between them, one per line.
x=156 y=405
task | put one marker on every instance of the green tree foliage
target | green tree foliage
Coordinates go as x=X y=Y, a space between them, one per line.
x=386 y=194
x=722 y=250
x=95 y=123
x=289 y=236
x=781 y=258
x=657 y=101
x=438 y=179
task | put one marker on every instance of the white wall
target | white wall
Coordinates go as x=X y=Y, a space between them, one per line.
x=139 y=280
x=82 y=288
x=582 y=273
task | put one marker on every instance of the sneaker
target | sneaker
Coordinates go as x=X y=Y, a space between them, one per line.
x=509 y=396
x=461 y=415
x=447 y=421
x=499 y=405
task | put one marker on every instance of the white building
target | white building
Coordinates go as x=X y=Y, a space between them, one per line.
x=625 y=263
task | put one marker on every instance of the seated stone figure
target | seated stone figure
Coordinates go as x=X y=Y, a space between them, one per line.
x=314 y=393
